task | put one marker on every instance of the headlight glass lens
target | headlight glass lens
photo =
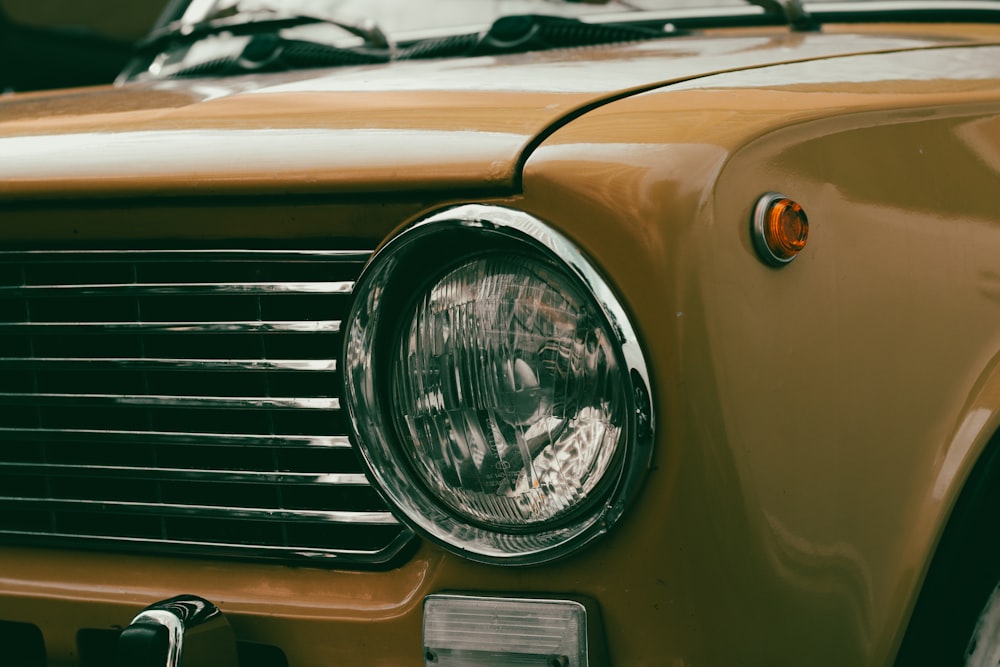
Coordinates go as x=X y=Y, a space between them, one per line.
x=508 y=396
x=495 y=386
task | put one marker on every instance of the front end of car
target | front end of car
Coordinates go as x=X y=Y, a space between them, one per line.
x=575 y=357
x=209 y=401
x=192 y=417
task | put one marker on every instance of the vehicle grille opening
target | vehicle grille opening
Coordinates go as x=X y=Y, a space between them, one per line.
x=23 y=645
x=182 y=401
x=98 y=648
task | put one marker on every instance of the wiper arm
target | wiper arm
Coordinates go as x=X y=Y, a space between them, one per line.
x=530 y=32
x=792 y=11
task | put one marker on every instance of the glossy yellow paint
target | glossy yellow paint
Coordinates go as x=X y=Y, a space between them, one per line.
x=816 y=422
x=430 y=125
x=825 y=414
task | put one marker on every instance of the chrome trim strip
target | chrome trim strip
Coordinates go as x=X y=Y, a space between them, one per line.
x=106 y=364
x=249 y=550
x=148 y=256
x=186 y=474
x=91 y=436
x=216 y=402
x=93 y=328
x=215 y=511
x=177 y=289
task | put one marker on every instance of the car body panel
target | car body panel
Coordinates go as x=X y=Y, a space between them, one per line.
x=824 y=459
x=449 y=124
x=804 y=411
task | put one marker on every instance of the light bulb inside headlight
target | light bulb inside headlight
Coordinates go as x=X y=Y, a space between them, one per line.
x=508 y=395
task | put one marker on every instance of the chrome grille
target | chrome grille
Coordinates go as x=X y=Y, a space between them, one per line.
x=182 y=401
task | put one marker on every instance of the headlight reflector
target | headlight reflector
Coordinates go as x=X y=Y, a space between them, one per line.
x=495 y=386
x=509 y=392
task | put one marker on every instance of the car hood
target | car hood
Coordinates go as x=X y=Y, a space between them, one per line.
x=452 y=125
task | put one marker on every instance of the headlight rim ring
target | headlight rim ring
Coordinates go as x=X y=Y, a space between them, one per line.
x=371 y=424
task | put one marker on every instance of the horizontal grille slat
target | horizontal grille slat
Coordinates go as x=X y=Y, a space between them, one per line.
x=66 y=364
x=183 y=401
x=205 y=511
x=84 y=437
x=206 y=402
x=145 y=256
x=174 y=289
x=94 y=328
x=211 y=547
x=184 y=474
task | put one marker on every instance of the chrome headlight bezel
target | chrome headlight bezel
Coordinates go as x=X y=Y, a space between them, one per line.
x=402 y=269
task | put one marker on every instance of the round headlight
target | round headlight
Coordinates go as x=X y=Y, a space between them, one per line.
x=495 y=386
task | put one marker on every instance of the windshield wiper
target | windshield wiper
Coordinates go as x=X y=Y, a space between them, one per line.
x=532 y=32
x=179 y=32
x=262 y=47
x=267 y=50
x=520 y=33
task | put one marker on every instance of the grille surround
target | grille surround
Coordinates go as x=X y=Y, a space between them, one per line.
x=183 y=401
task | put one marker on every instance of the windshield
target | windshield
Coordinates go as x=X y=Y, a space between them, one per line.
x=405 y=16
x=226 y=37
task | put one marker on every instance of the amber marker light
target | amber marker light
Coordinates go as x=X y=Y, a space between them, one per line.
x=780 y=229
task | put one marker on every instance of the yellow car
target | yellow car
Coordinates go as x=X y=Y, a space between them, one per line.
x=508 y=332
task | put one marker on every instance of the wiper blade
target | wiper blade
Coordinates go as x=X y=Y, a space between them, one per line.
x=269 y=52
x=530 y=32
